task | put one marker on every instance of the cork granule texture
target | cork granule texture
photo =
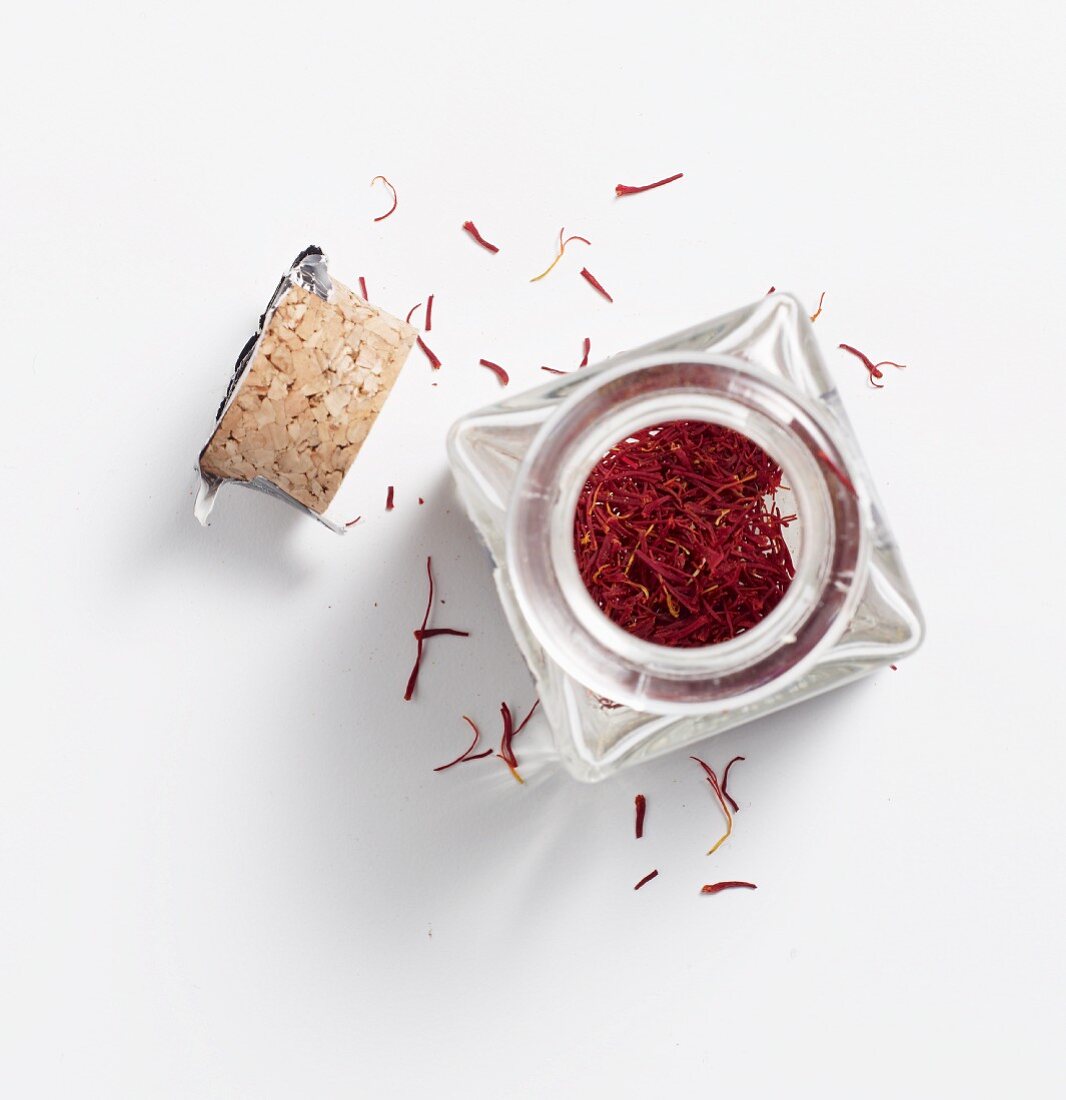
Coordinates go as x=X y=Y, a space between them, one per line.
x=317 y=382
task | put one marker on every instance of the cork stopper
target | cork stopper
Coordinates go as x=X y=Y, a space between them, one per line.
x=316 y=382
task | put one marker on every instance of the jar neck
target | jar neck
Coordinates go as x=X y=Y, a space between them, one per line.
x=829 y=553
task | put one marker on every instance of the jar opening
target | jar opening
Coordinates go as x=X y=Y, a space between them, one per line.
x=827 y=547
x=684 y=533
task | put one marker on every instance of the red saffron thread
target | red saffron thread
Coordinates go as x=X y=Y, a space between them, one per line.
x=434 y=362
x=678 y=537
x=646 y=879
x=552 y=370
x=362 y=289
x=594 y=283
x=421 y=634
x=390 y=500
x=472 y=230
x=873 y=369
x=559 y=254
x=465 y=756
x=712 y=779
x=522 y=725
x=624 y=189
x=510 y=732
x=585 y=358
x=818 y=312
x=840 y=475
x=641 y=804
x=394 y=198
x=770 y=291
x=353 y=522
x=496 y=369
x=718 y=887
x=429 y=314
x=437 y=631
x=895 y=668
x=725 y=780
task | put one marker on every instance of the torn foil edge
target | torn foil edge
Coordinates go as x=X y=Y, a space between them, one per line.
x=310 y=270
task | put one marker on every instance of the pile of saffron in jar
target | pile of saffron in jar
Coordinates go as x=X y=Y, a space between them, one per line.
x=679 y=537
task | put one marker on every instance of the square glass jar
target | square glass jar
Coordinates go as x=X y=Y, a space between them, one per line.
x=612 y=699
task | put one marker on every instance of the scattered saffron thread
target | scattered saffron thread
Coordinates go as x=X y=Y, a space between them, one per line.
x=770 y=291
x=510 y=732
x=390 y=498
x=496 y=369
x=559 y=254
x=873 y=369
x=895 y=668
x=641 y=804
x=718 y=887
x=421 y=501
x=584 y=360
x=429 y=314
x=725 y=780
x=624 y=189
x=472 y=230
x=818 y=312
x=421 y=634
x=434 y=362
x=353 y=522
x=646 y=879
x=712 y=779
x=362 y=289
x=437 y=631
x=465 y=756
x=594 y=283
x=394 y=198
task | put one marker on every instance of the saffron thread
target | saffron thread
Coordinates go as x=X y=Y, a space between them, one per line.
x=594 y=283
x=394 y=197
x=624 y=189
x=838 y=472
x=712 y=779
x=362 y=289
x=496 y=369
x=473 y=231
x=873 y=369
x=718 y=887
x=466 y=755
x=559 y=254
x=429 y=314
x=510 y=732
x=353 y=522
x=421 y=634
x=646 y=879
x=434 y=362
x=818 y=312
x=641 y=804
x=725 y=780
x=390 y=498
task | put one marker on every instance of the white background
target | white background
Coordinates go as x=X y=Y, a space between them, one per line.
x=228 y=869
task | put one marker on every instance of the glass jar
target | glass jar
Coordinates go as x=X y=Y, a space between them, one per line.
x=611 y=698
